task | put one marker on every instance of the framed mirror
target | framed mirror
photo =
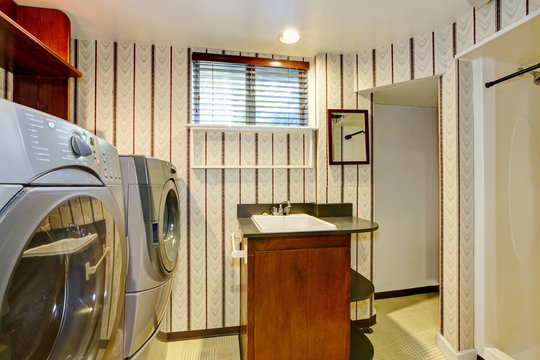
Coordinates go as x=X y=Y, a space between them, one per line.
x=348 y=135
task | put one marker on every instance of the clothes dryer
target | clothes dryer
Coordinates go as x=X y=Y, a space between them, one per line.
x=153 y=228
x=63 y=253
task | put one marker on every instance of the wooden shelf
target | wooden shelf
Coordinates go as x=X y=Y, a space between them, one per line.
x=361 y=347
x=23 y=54
x=361 y=287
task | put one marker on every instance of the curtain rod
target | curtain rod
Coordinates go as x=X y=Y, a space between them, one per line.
x=508 y=77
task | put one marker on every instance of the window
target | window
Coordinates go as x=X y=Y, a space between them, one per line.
x=238 y=90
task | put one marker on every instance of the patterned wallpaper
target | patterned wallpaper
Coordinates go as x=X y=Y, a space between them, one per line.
x=423 y=56
x=428 y=55
x=6 y=84
x=335 y=77
x=137 y=97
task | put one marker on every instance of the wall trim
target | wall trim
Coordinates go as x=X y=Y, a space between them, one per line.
x=406 y=292
x=201 y=334
x=451 y=354
x=162 y=336
x=492 y=353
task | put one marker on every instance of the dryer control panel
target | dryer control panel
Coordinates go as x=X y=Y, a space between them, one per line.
x=50 y=143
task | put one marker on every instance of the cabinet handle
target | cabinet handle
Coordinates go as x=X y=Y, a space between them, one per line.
x=91 y=270
x=235 y=253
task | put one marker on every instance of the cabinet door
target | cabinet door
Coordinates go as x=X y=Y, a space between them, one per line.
x=301 y=304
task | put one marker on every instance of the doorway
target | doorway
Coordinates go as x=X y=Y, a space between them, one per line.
x=406 y=205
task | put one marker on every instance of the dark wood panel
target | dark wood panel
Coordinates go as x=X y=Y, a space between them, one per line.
x=244 y=306
x=9 y=8
x=297 y=298
x=281 y=313
x=249 y=60
x=298 y=242
x=46 y=93
x=329 y=304
x=22 y=53
x=52 y=27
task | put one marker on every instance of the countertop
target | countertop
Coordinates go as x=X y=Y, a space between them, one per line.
x=344 y=225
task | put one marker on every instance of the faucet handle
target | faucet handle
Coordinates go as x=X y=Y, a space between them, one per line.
x=285 y=210
x=274 y=211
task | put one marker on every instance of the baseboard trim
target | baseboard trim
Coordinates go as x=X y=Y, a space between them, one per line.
x=451 y=354
x=163 y=336
x=491 y=353
x=201 y=334
x=364 y=323
x=406 y=292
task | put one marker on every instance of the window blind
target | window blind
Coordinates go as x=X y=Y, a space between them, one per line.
x=246 y=93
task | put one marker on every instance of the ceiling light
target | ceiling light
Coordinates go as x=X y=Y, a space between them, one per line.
x=289 y=36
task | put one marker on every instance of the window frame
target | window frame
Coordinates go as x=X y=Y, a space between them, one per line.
x=254 y=61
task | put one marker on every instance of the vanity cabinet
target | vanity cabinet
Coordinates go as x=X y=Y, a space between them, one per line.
x=295 y=298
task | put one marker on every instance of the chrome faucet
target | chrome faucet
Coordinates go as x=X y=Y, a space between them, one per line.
x=281 y=211
x=285 y=210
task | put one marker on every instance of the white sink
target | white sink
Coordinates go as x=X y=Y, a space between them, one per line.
x=290 y=223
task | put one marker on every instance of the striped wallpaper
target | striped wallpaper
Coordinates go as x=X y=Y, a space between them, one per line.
x=6 y=84
x=137 y=97
x=432 y=54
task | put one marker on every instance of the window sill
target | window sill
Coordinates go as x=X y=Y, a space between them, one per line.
x=252 y=128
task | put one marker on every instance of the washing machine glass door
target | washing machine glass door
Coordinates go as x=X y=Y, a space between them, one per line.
x=169 y=226
x=59 y=302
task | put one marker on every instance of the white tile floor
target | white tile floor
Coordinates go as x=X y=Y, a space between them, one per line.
x=405 y=330
x=216 y=348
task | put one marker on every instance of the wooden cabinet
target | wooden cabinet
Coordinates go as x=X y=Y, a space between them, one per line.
x=295 y=298
x=35 y=47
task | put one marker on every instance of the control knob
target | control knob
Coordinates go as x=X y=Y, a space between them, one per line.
x=79 y=146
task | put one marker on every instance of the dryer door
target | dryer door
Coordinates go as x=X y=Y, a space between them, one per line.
x=169 y=226
x=62 y=274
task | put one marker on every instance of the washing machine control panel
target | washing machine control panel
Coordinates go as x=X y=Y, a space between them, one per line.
x=51 y=142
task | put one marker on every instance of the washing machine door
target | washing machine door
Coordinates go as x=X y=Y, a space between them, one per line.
x=168 y=227
x=62 y=275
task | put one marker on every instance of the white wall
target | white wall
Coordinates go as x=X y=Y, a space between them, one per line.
x=406 y=197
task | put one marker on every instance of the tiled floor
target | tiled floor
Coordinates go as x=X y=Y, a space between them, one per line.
x=216 y=348
x=405 y=330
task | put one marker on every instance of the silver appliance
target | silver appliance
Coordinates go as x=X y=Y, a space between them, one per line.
x=153 y=228
x=63 y=253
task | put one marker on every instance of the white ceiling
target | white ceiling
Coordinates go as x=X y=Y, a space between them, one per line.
x=343 y=26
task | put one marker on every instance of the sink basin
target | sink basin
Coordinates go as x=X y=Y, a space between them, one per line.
x=290 y=223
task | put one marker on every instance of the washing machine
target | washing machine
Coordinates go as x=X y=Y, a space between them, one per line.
x=153 y=229
x=63 y=255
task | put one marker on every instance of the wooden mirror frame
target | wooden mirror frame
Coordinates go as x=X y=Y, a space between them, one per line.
x=366 y=127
